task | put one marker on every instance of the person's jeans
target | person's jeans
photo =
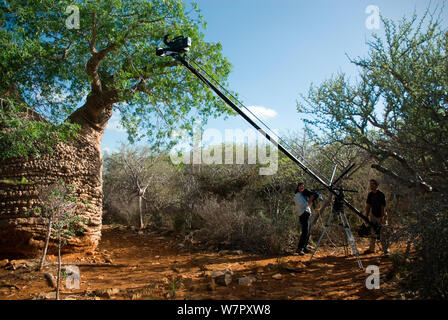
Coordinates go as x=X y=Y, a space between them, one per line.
x=305 y=221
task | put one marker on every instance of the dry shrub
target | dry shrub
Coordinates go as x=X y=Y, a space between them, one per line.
x=431 y=268
x=227 y=225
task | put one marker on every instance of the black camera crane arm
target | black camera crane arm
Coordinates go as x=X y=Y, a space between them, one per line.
x=176 y=53
x=247 y=118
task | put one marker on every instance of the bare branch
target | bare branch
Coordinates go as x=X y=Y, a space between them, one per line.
x=409 y=183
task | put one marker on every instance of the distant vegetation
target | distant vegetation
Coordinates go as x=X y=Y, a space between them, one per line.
x=228 y=206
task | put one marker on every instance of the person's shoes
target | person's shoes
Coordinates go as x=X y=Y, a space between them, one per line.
x=306 y=250
x=300 y=252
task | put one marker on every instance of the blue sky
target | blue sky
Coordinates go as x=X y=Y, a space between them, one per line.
x=278 y=48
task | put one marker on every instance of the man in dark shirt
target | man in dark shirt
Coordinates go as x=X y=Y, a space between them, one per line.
x=376 y=203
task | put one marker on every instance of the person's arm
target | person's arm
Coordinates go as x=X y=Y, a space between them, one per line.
x=310 y=200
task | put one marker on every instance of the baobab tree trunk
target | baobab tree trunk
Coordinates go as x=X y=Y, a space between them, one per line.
x=77 y=163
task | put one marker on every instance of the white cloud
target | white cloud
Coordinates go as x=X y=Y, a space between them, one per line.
x=261 y=112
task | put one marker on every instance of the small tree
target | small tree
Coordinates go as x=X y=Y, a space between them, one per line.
x=59 y=205
x=133 y=170
x=396 y=111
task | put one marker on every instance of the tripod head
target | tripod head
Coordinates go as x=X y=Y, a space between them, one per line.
x=338 y=204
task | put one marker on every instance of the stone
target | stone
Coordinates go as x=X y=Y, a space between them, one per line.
x=226 y=280
x=10 y=266
x=100 y=292
x=108 y=260
x=46 y=296
x=217 y=274
x=51 y=280
x=277 y=276
x=222 y=277
x=136 y=296
x=112 y=292
x=230 y=252
x=246 y=280
x=3 y=262
x=107 y=293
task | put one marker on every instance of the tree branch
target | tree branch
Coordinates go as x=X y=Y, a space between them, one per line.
x=63 y=54
x=94 y=33
x=409 y=183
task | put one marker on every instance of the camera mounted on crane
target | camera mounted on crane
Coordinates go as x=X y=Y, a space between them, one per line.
x=174 y=47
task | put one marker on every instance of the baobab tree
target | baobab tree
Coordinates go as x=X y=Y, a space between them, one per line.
x=73 y=77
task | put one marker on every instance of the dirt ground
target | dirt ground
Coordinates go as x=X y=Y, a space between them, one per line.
x=141 y=265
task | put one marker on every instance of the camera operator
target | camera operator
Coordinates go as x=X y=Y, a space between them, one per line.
x=303 y=206
x=376 y=203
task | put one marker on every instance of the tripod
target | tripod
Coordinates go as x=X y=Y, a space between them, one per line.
x=338 y=209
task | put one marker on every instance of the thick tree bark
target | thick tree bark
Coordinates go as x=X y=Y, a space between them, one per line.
x=77 y=163
x=94 y=115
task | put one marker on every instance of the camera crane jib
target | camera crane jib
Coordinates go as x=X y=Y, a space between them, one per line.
x=179 y=46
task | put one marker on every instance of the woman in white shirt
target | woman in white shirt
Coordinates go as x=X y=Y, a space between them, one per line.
x=303 y=206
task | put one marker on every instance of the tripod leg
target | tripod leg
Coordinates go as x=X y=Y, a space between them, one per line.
x=346 y=244
x=350 y=238
x=321 y=236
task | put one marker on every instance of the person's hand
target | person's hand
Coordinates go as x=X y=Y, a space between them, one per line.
x=310 y=200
